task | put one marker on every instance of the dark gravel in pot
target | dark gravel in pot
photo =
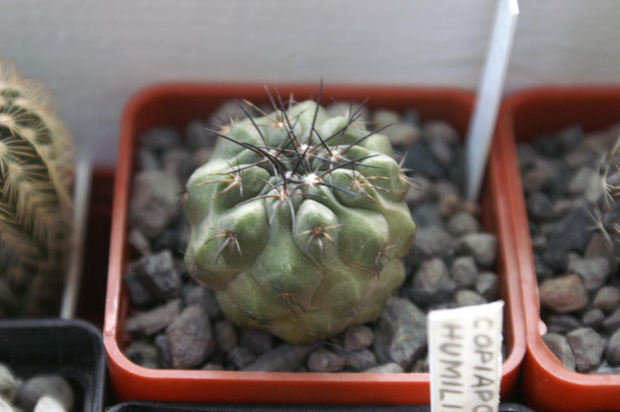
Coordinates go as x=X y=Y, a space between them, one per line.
x=578 y=277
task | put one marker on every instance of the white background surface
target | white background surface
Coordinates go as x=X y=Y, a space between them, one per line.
x=94 y=54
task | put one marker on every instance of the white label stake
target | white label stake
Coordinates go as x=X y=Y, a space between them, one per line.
x=464 y=351
x=489 y=96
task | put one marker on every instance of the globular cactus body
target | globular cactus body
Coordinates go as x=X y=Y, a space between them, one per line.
x=299 y=222
x=35 y=207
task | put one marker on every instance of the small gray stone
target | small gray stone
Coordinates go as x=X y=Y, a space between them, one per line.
x=426 y=215
x=154 y=201
x=482 y=246
x=422 y=192
x=284 y=358
x=606 y=368
x=580 y=181
x=440 y=130
x=179 y=162
x=201 y=156
x=464 y=271
x=543 y=270
x=432 y=284
x=359 y=360
x=420 y=366
x=196 y=136
x=143 y=353
x=324 y=360
x=442 y=151
x=593 y=318
x=240 y=357
x=400 y=336
x=199 y=295
x=563 y=294
x=539 y=242
x=155 y=320
x=612 y=354
x=445 y=188
x=257 y=340
x=383 y=117
x=139 y=242
x=537 y=178
x=588 y=347
x=607 y=298
x=598 y=247
x=487 y=285
x=8 y=382
x=463 y=223
x=191 y=338
x=466 y=297
x=539 y=207
x=212 y=367
x=49 y=404
x=358 y=337
x=140 y=297
x=411 y=116
x=402 y=134
x=571 y=234
x=558 y=344
x=594 y=272
x=225 y=335
x=527 y=156
x=612 y=323
x=430 y=242
x=158 y=274
x=570 y=137
x=564 y=206
x=421 y=160
x=147 y=160
x=163 y=349
x=387 y=368
x=160 y=139
x=38 y=386
x=562 y=323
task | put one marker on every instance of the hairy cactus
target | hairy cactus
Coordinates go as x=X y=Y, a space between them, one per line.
x=608 y=212
x=36 y=155
x=298 y=222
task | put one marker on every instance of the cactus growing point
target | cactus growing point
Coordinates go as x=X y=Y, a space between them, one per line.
x=36 y=163
x=298 y=223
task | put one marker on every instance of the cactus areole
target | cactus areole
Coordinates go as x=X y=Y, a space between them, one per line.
x=298 y=222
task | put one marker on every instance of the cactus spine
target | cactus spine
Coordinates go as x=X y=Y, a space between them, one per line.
x=36 y=164
x=608 y=213
x=299 y=222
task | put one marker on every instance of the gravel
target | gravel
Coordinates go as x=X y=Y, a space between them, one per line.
x=579 y=283
x=450 y=264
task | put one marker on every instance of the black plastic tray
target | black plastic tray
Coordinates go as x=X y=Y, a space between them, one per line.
x=71 y=348
x=180 y=407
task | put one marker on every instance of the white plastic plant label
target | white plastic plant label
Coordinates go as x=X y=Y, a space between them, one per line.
x=489 y=94
x=465 y=358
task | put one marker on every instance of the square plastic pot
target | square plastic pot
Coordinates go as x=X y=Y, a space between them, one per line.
x=546 y=384
x=175 y=105
x=178 y=407
x=70 y=348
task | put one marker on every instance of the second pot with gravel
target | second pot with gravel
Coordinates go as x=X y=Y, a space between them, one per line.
x=564 y=190
x=167 y=337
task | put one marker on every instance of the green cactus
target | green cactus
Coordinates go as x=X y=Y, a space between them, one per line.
x=298 y=222
x=608 y=213
x=36 y=154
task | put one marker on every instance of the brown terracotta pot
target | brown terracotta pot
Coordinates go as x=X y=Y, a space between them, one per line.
x=546 y=384
x=176 y=104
